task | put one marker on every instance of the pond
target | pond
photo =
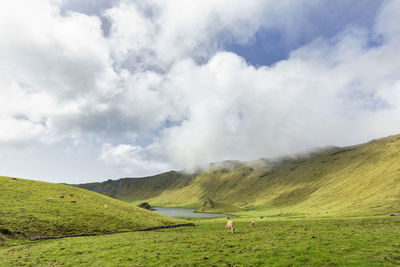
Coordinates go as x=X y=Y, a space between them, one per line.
x=180 y=212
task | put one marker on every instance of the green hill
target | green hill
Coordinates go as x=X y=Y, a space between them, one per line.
x=32 y=208
x=361 y=178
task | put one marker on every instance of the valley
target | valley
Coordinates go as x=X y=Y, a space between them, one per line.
x=336 y=206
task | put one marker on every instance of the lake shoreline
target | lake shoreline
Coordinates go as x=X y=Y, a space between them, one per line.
x=186 y=212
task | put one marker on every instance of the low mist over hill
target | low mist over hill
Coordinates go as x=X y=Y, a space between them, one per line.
x=360 y=178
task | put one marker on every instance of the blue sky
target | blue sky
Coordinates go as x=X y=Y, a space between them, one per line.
x=270 y=45
x=101 y=89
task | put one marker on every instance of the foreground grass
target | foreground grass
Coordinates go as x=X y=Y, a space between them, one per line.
x=362 y=241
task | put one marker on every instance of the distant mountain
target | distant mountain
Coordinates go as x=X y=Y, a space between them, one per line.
x=135 y=189
x=360 y=178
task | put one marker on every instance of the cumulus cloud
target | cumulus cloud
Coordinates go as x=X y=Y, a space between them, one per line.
x=148 y=86
x=241 y=112
x=52 y=66
x=336 y=92
x=154 y=34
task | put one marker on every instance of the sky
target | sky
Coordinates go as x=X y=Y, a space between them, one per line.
x=99 y=89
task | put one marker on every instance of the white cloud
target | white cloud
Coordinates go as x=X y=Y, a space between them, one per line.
x=133 y=159
x=155 y=34
x=161 y=91
x=51 y=66
x=337 y=93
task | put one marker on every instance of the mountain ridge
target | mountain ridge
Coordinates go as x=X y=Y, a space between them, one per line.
x=362 y=177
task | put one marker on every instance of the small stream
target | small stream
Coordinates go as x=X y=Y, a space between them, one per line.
x=180 y=212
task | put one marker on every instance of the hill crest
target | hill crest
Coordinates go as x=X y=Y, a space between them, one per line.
x=364 y=177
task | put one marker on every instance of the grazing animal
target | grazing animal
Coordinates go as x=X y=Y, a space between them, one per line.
x=63 y=192
x=71 y=195
x=62 y=196
x=50 y=199
x=230 y=225
x=73 y=201
x=252 y=223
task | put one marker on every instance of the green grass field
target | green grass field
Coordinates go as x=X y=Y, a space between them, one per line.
x=272 y=242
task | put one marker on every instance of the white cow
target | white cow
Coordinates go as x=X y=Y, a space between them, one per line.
x=230 y=225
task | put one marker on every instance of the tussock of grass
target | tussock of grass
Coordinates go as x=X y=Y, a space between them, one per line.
x=26 y=211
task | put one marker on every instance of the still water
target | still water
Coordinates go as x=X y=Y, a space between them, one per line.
x=179 y=212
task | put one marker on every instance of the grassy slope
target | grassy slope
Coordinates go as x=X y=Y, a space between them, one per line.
x=25 y=211
x=318 y=242
x=362 y=178
x=136 y=189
